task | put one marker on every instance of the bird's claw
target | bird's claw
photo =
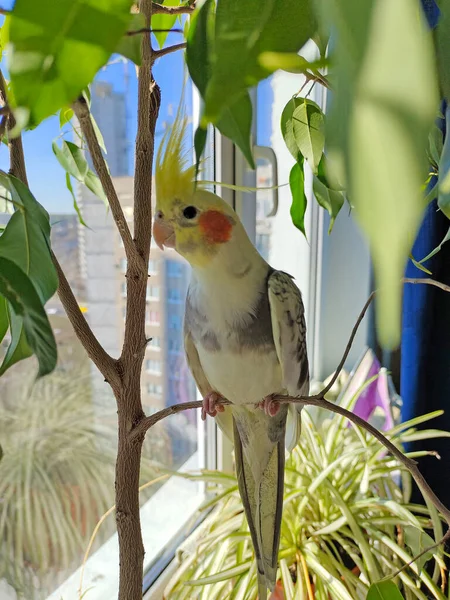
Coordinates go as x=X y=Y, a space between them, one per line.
x=269 y=405
x=210 y=405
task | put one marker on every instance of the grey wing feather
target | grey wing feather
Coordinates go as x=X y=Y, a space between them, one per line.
x=289 y=331
x=224 y=419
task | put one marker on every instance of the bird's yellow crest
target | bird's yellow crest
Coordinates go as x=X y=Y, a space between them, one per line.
x=173 y=177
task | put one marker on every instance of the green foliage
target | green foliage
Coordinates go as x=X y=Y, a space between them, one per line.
x=344 y=518
x=235 y=121
x=384 y=590
x=299 y=201
x=44 y=40
x=28 y=279
x=160 y=21
x=71 y=158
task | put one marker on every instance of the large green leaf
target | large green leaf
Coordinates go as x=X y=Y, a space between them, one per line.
x=384 y=590
x=418 y=541
x=387 y=99
x=71 y=158
x=444 y=173
x=130 y=45
x=160 y=21
x=4 y=321
x=302 y=127
x=26 y=239
x=299 y=202
x=56 y=48
x=244 y=30
x=326 y=194
x=443 y=46
x=236 y=119
x=20 y=292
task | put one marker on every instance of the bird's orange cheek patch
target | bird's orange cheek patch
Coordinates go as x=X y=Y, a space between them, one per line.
x=215 y=226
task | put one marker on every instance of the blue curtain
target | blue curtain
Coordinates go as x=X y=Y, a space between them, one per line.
x=425 y=348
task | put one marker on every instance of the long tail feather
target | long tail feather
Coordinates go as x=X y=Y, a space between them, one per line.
x=261 y=488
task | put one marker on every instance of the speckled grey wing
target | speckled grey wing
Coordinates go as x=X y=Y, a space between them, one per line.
x=224 y=420
x=289 y=332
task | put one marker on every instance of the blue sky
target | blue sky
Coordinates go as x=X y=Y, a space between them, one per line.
x=45 y=175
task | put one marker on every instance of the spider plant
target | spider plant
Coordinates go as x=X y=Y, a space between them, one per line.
x=56 y=475
x=347 y=523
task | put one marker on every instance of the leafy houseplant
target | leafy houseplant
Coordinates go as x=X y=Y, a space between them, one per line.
x=347 y=523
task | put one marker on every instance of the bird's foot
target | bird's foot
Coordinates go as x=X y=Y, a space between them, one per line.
x=210 y=405
x=269 y=405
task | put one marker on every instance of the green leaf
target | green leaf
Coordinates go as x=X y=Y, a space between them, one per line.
x=308 y=129
x=4 y=321
x=75 y=203
x=199 y=145
x=394 y=107
x=437 y=249
x=299 y=201
x=290 y=62
x=417 y=540
x=243 y=31
x=435 y=145
x=130 y=45
x=20 y=292
x=287 y=126
x=65 y=116
x=418 y=265
x=444 y=174
x=98 y=134
x=164 y=22
x=236 y=119
x=56 y=48
x=443 y=46
x=384 y=590
x=18 y=348
x=71 y=158
x=26 y=239
x=92 y=182
x=328 y=198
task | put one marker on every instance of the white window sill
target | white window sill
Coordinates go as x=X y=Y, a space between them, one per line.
x=162 y=518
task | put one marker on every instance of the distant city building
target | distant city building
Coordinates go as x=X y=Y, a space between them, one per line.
x=109 y=110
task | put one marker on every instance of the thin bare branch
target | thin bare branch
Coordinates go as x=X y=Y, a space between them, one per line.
x=150 y=30
x=83 y=115
x=4 y=11
x=168 y=50
x=427 y=281
x=102 y=360
x=160 y=9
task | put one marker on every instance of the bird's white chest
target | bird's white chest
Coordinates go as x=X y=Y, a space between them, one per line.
x=245 y=377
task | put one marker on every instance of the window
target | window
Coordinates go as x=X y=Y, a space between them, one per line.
x=152 y=292
x=175 y=322
x=155 y=389
x=174 y=295
x=124 y=312
x=152 y=317
x=153 y=366
x=174 y=268
x=123 y=289
x=154 y=343
x=123 y=265
x=152 y=266
x=175 y=345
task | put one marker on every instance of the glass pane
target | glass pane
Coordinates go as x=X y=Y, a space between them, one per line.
x=59 y=434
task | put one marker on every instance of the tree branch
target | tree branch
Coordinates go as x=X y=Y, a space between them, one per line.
x=102 y=360
x=318 y=400
x=160 y=9
x=83 y=115
x=168 y=50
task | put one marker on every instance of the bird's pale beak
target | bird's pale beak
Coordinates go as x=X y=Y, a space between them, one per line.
x=163 y=234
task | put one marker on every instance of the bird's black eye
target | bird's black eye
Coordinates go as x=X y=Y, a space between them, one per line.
x=190 y=212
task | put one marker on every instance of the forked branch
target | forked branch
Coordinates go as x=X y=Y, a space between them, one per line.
x=160 y=9
x=168 y=50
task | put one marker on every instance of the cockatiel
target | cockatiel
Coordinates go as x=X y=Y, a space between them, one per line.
x=245 y=340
